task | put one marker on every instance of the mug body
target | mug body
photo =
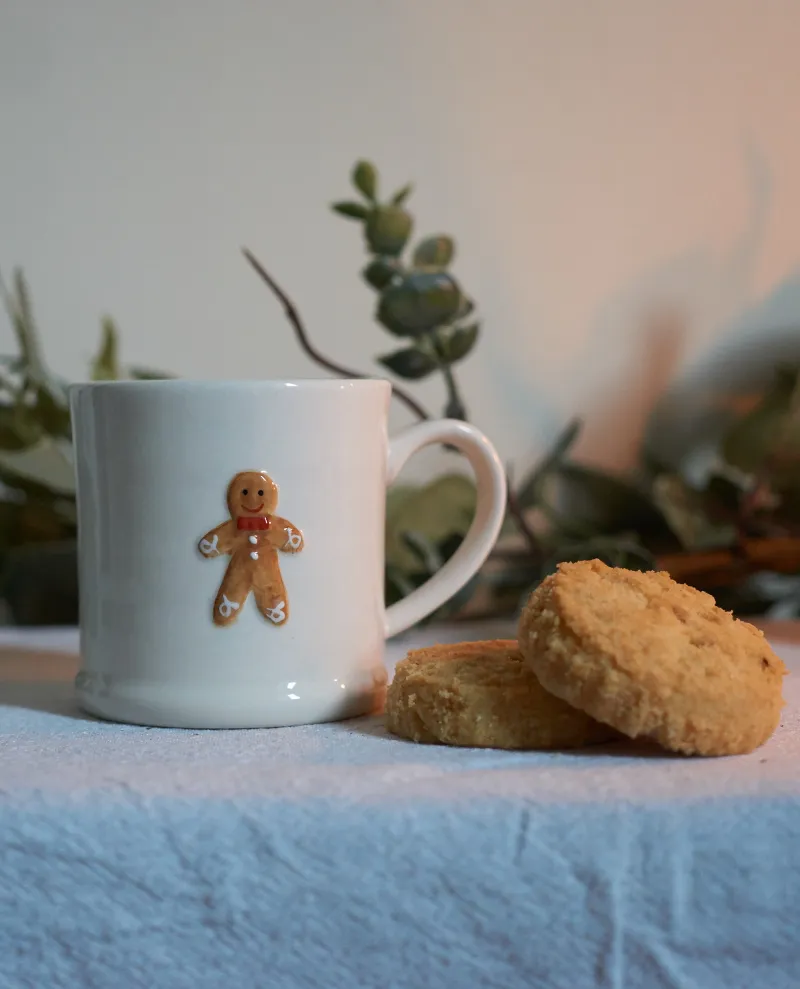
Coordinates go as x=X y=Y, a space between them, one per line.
x=202 y=606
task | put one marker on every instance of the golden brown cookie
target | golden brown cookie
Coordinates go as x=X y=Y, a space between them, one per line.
x=653 y=658
x=482 y=694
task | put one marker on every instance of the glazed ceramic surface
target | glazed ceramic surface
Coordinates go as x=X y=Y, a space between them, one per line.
x=161 y=467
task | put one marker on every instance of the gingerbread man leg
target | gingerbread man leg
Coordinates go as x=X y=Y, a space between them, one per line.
x=232 y=594
x=269 y=590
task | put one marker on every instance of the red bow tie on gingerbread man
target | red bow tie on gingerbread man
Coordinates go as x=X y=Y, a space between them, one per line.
x=252 y=537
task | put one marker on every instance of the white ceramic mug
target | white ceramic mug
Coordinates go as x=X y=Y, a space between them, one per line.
x=231 y=547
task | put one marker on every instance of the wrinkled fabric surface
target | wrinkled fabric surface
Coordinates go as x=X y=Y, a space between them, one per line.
x=337 y=857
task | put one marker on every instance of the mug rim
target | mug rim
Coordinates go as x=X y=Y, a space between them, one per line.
x=323 y=384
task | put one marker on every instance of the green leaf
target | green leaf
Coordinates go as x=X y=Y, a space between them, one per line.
x=429 y=557
x=105 y=366
x=148 y=374
x=449 y=545
x=387 y=230
x=396 y=498
x=398 y=584
x=28 y=334
x=52 y=411
x=20 y=311
x=422 y=301
x=687 y=513
x=457 y=343
x=402 y=194
x=466 y=306
x=530 y=493
x=10 y=389
x=9 y=438
x=425 y=550
x=47 y=464
x=593 y=502
x=354 y=211
x=380 y=272
x=18 y=428
x=749 y=442
x=434 y=252
x=12 y=362
x=782 y=470
x=365 y=179
x=409 y=363
x=435 y=511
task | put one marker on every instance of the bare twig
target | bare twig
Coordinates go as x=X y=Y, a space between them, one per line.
x=294 y=318
x=726 y=567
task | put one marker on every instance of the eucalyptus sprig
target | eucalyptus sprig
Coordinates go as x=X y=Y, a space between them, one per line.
x=419 y=298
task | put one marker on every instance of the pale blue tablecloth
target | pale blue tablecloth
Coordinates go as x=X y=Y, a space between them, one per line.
x=338 y=857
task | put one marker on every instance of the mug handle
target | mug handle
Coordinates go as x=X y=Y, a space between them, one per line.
x=490 y=481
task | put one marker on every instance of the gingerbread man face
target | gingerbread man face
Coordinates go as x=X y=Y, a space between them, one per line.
x=252 y=537
x=252 y=493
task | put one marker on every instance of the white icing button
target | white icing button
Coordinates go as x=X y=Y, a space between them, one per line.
x=254 y=556
x=254 y=539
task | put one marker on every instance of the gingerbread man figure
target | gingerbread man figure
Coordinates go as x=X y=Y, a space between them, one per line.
x=252 y=538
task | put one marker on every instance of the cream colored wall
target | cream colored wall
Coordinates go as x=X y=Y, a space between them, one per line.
x=622 y=177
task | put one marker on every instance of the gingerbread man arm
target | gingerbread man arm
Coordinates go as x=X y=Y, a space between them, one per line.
x=219 y=541
x=285 y=536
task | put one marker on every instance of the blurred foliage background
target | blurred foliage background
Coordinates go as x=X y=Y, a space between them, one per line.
x=38 y=525
x=736 y=533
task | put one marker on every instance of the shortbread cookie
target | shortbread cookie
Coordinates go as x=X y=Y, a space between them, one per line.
x=482 y=694
x=653 y=658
